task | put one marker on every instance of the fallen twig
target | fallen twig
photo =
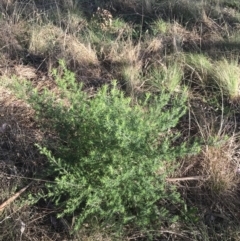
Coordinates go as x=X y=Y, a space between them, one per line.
x=11 y=199
x=185 y=178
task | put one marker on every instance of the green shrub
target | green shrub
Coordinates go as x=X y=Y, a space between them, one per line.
x=114 y=156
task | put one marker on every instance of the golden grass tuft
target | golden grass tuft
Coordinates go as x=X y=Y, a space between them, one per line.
x=74 y=23
x=220 y=166
x=44 y=39
x=54 y=44
x=128 y=57
x=13 y=38
x=153 y=46
x=80 y=53
x=152 y=53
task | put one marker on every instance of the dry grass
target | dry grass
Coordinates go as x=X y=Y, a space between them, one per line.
x=94 y=234
x=220 y=166
x=80 y=53
x=25 y=72
x=127 y=58
x=13 y=38
x=53 y=44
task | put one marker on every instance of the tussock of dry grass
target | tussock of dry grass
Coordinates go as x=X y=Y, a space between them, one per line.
x=124 y=51
x=218 y=164
x=152 y=53
x=74 y=23
x=54 y=44
x=13 y=38
x=80 y=53
x=154 y=45
x=44 y=39
x=126 y=57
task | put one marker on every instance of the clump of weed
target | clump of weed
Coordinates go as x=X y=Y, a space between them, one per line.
x=110 y=163
x=199 y=67
x=168 y=77
x=160 y=27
